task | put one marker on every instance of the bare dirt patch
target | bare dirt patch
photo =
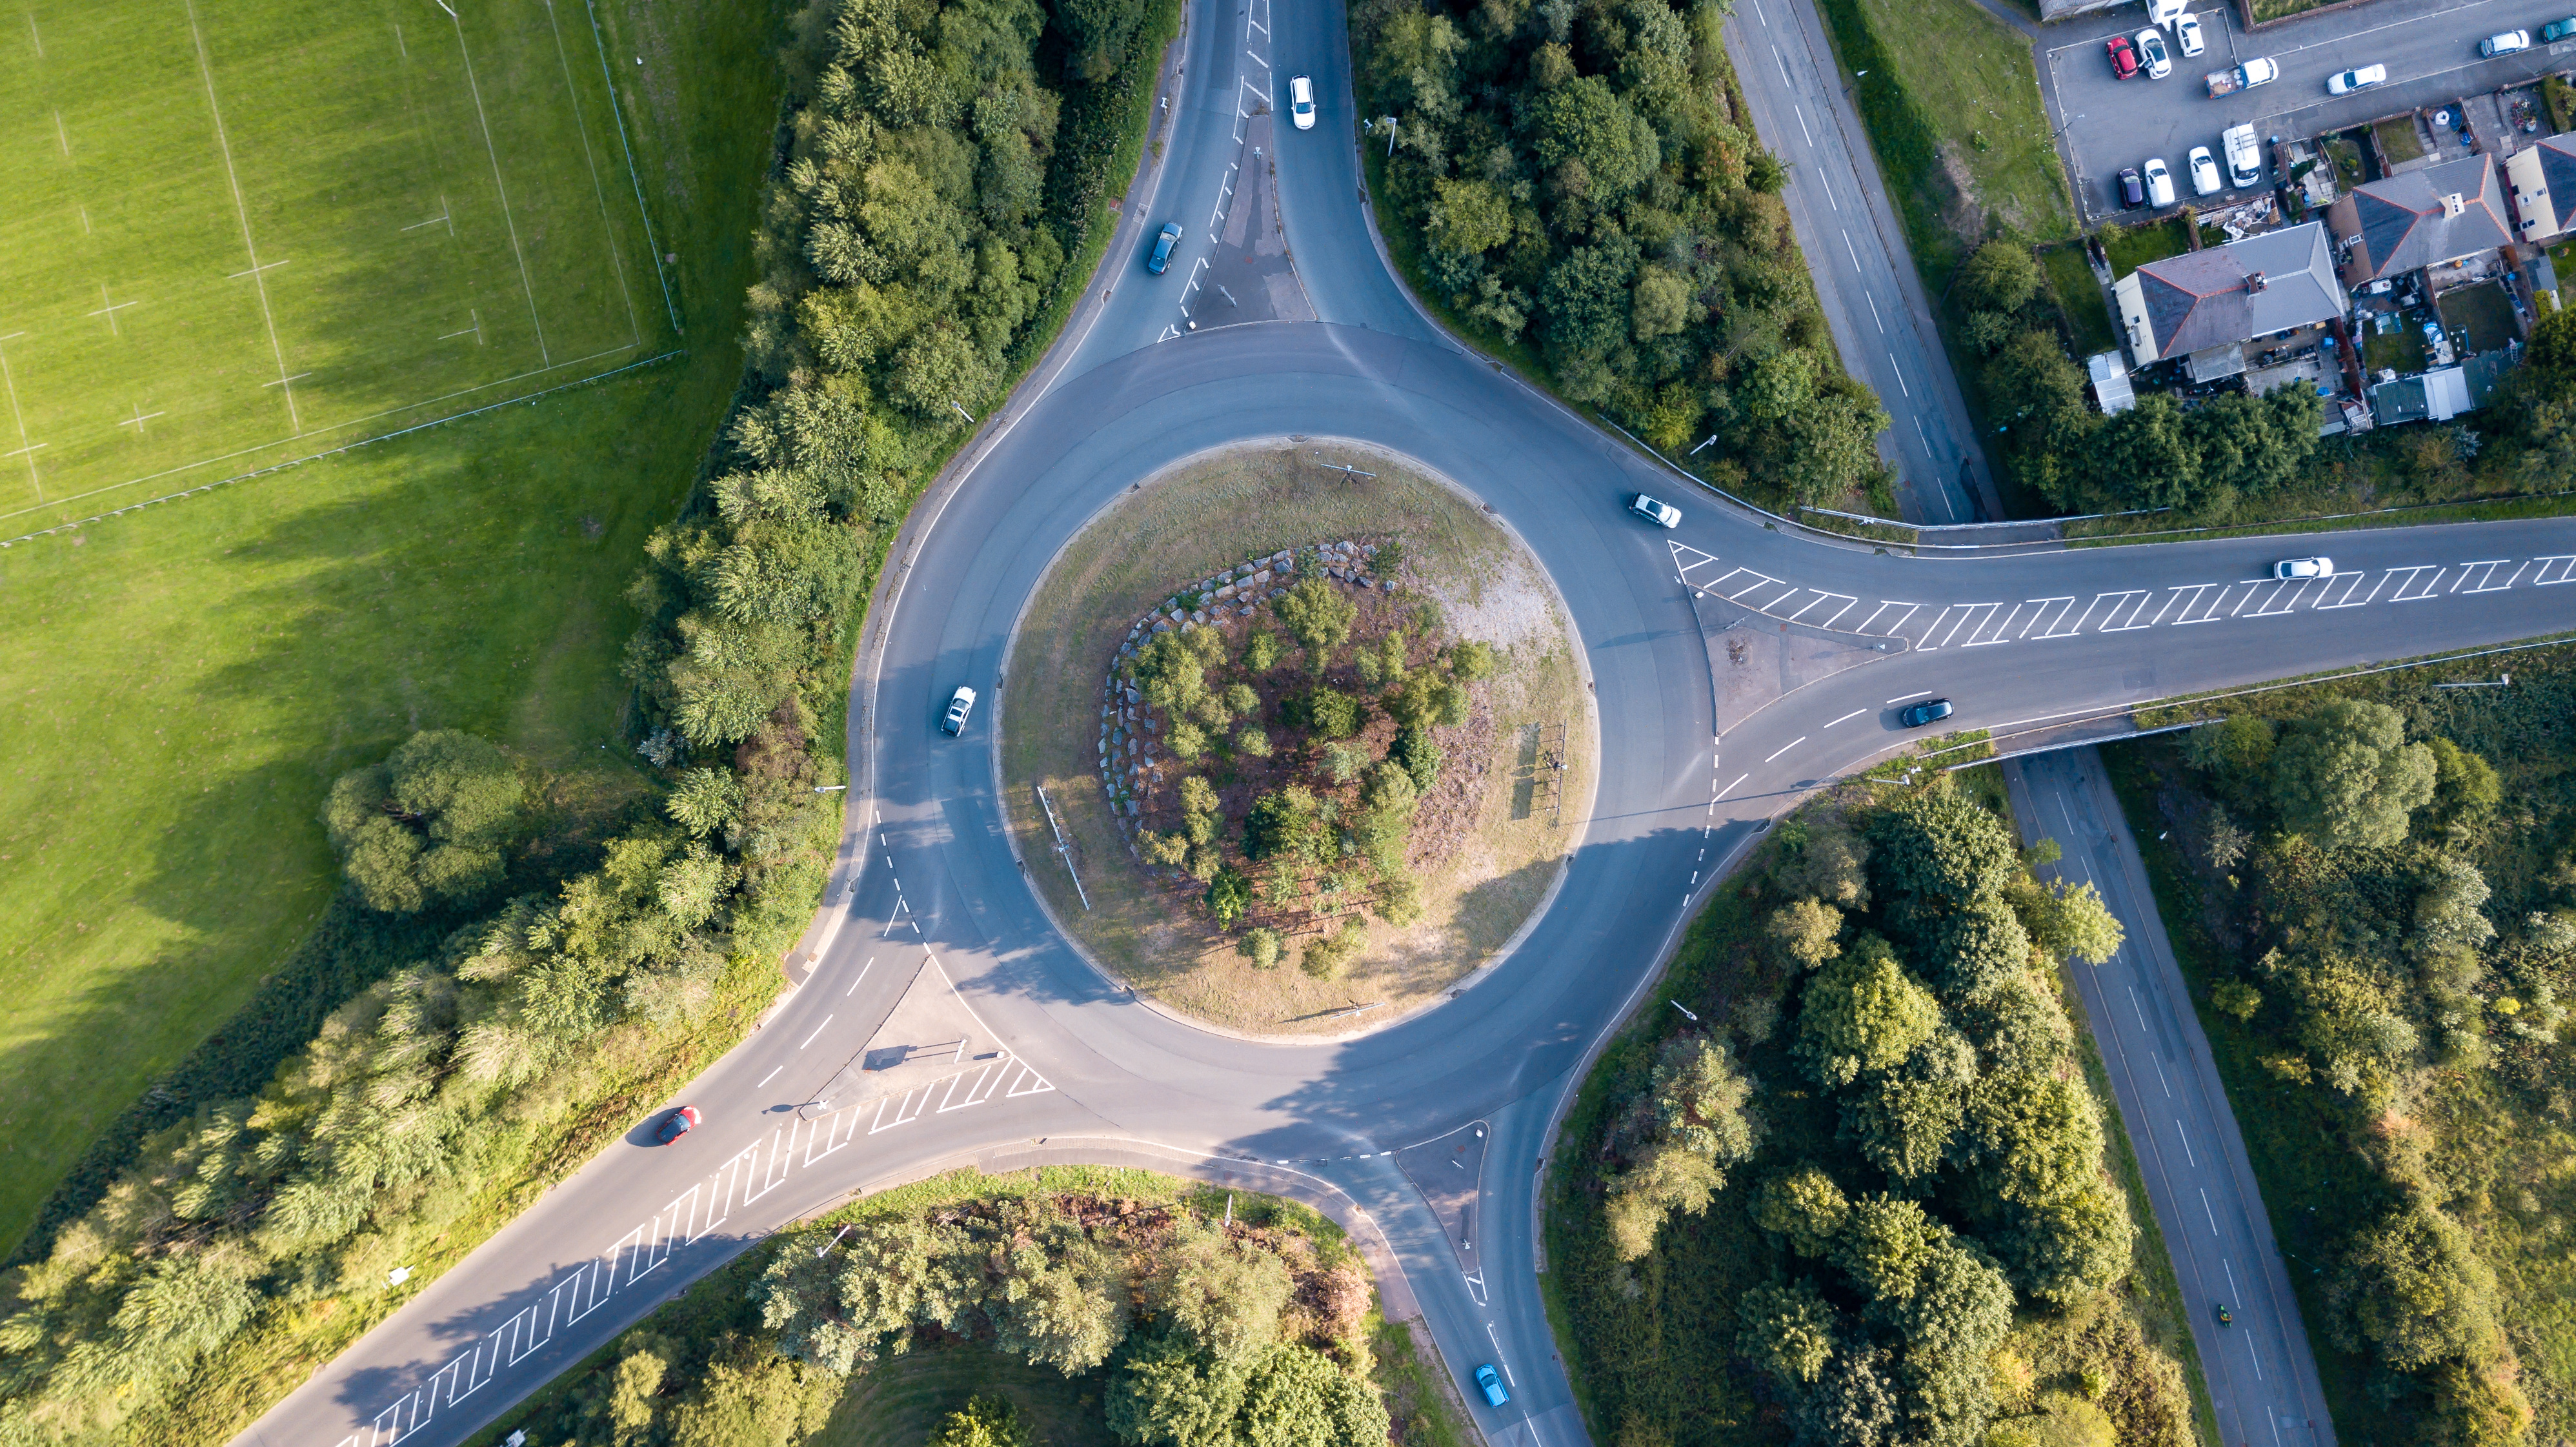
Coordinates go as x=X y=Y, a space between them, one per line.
x=1490 y=838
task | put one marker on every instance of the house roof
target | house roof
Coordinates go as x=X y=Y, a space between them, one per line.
x=2543 y=181
x=2403 y=223
x=2204 y=299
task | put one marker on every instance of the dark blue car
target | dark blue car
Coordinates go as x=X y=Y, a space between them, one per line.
x=1930 y=710
x=1161 y=260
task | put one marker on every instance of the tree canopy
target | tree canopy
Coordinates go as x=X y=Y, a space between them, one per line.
x=427 y=826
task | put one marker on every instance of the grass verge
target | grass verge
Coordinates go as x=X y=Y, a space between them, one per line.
x=1211 y=513
x=2079 y=297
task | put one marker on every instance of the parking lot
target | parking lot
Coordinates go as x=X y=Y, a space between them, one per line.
x=2430 y=49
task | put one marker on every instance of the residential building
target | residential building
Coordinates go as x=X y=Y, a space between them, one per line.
x=2205 y=304
x=2542 y=180
x=2421 y=218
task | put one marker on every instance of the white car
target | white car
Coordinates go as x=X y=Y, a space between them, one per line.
x=2345 y=82
x=2204 y=171
x=2505 y=44
x=2187 y=33
x=2151 y=53
x=960 y=704
x=2160 y=190
x=2303 y=568
x=1301 y=101
x=1654 y=511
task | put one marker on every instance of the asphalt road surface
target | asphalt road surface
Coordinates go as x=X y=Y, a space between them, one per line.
x=1067 y=1066
x=2262 y=1376
x=2430 y=48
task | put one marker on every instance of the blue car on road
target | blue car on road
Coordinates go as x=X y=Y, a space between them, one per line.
x=1161 y=260
x=1490 y=1382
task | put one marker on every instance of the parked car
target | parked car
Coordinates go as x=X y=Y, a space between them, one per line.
x=1930 y=710
x=2303 y=568
x=2505 y=44
x=2259 y=70
x=2133 y=192
x=1654 y=511
x=2160 y=190
x=2204 y=171
x=2124 y=57
x=1490 y=1382
x=1161 y=260
x=1301 y=101
x=2345 y=82
x=2151 y=53
x=2187 y=33
x=677 y=1124
x=960 y=704
x=2558 y=30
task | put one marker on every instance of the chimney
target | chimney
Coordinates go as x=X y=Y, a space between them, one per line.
x=2254 y=281
x=2452 y=205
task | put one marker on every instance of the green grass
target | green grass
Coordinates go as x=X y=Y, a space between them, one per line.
x=439 y=213
x=1981 y=91
x=2398 y=140
x=2347 y=160
x=901 y=1403
x=2130 y=247
x=2400 y=351
x=183 y=683
x=1419 y=1400
x=2070 y=277
x=2483 y=312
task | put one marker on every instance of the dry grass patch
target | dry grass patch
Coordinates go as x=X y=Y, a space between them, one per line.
x=1492 y=834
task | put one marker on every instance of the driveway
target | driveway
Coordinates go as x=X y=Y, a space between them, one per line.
x=2429 y=47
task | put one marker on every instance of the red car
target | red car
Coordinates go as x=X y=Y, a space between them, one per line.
x=677 y=1124
x=2124 y=57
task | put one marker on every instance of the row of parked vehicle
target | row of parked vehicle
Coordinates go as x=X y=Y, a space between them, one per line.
x=2145 y=54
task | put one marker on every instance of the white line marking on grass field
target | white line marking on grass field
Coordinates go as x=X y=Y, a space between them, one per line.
x=529 y=288
x=581 y=128
x=26 y=449
x=35 y=35
x=138 y=419
x=61 y=136
x=241 y=215
x=84 y=216
x=109 y=309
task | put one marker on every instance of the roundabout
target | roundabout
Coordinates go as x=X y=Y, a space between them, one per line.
x=933 y=869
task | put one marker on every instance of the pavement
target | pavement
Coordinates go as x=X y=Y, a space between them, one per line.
x=2262 y=1376
x=1067 y=1065
x=2429 y=46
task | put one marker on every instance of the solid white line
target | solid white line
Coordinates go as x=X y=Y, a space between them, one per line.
x=241 y=211
x=526 y=286
x=1784 y=748
x=1265 y=65
x=817 y=1031
x=1846 y=718
x=1740 y=778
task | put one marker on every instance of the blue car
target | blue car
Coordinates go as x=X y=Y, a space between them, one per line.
x=1161 y=260
x=1931 y=710
x=1490 y=1382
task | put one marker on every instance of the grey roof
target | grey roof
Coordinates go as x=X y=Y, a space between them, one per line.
x=2199 y=299
x=2403 y=225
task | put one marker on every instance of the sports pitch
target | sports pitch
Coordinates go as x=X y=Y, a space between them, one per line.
x=236 y=233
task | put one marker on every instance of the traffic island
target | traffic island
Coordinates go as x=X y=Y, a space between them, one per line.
x=1295 y=738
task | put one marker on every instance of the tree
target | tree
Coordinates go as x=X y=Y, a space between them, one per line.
x=1803 y=1205
x=428 y=825
x=1863 y=1013
x=1680 y=1135
x=1585 y=300
x=985 y=1421
x=2239 y=745
x=1587 y=123
x=1286 y=823
x=2414 y=1287
x=2146 y=456
x=2346 y=776
x=1467 y=216
x=2254 y=446
x=1999 y=276
x=1221 y=1297
x=1260 y=945
x=1788 y=1331
x=2034 y=1137
x=1324 y=712
x=1902 y=1121
x=1661 y=304
x=1851 y=1404
x=1979 y=946
x=2073 y=921
x=2235 y=998
x=1318 y=617
x=704 y=801
x=1163 y=1394
x=1299 y=1397
x=1935 y=852
x=2465 y=787
x=2067 y=1248
x=1806 y=931
x=1229 y=895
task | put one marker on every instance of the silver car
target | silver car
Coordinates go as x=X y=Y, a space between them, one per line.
x=960 y=704
x=2303 y=568
x=1655 y=511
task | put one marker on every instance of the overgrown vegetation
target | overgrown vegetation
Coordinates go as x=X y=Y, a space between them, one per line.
x=914 y=231
x=1583 y=174
x=1176 y=1315
x=1862 y=1198
x=2373 y=886
x=1314 y=750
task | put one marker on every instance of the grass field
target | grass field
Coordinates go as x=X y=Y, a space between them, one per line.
x=1981 y=89
x=2130 y=247
x=246 y=231
x=181 y=684
x=2079 y=296
x=1210 y=513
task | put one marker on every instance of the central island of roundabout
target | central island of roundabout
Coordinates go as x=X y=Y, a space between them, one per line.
x=1303 y=736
